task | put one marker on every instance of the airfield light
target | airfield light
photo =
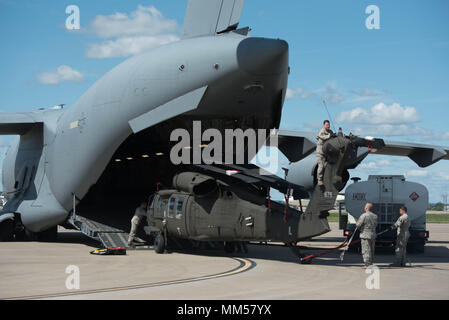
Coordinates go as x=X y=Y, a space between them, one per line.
x=129 y=158
x=145 y=156
x=118 y=160
x=159 y=154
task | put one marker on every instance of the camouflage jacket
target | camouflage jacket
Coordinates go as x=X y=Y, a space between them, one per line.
x=367 y=224
x=322 y=137
x=403 y=224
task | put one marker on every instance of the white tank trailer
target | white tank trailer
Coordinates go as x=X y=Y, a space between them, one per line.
x=388 y=193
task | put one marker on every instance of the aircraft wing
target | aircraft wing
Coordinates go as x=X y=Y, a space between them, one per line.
x=17 y=123
x=209 y=17
x=297 y=145
x=422 y=154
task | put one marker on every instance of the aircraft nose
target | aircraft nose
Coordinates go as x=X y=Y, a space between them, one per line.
x=260 y=56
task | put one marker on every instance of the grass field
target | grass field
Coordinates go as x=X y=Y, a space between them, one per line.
x=430 y=217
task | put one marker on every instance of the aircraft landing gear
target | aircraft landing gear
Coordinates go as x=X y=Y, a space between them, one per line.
x=233 y=246
x=229 y=247
x=159 y=243
x=49 y=235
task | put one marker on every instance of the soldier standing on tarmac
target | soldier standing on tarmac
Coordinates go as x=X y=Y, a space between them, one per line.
x=367 y=224
x=135 y=221
x=403 y=234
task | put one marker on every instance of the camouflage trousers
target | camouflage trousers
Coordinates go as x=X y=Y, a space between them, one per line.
x=321 y=161
x=368 y=246
x=401 y=250
x=134 y=224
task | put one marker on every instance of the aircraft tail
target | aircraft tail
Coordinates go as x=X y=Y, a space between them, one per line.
x=210 y=17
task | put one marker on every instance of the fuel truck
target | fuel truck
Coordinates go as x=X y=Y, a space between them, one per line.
x=388 y=193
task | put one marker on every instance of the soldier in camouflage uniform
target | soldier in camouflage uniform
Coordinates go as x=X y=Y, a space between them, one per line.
x=324 y=135
x=403 y=234
x=367 y=224
x=140 y=213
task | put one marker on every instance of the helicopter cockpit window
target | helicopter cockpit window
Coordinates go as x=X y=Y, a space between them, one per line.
x=160 y=203
x=179 y=208
x=171 y=208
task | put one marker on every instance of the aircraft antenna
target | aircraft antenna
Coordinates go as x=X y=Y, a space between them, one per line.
x=329 y=114
x=332 y=121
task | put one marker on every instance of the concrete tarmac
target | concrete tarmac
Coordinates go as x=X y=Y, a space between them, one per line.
x=34 y=270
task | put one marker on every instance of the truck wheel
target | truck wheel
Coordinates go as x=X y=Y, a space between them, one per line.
x=355 y=248
x=419 y=247
x=7 y=230
x=411 y=248
x=159 y=244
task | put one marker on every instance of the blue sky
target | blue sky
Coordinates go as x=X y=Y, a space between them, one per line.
x=391 y=83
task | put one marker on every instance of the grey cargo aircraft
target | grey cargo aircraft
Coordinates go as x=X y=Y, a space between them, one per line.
x=88 y=166
x=115 y=140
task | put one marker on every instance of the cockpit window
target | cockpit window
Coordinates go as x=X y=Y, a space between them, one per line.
x=179 y=208
x=160 y=202
x=171 y=207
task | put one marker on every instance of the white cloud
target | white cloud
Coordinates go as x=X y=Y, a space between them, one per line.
x=299 y=93
x=290 y=94
x=143 y=29
x=417 y=173
x=61 y=74
x=369 y=165
x=331 y=95
x=328 y=93
x=144 y=21
x=127 y=46
x=367 y=92
x=438 y=136
x=380 y=114
x=389 y=130
x=375 y=165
